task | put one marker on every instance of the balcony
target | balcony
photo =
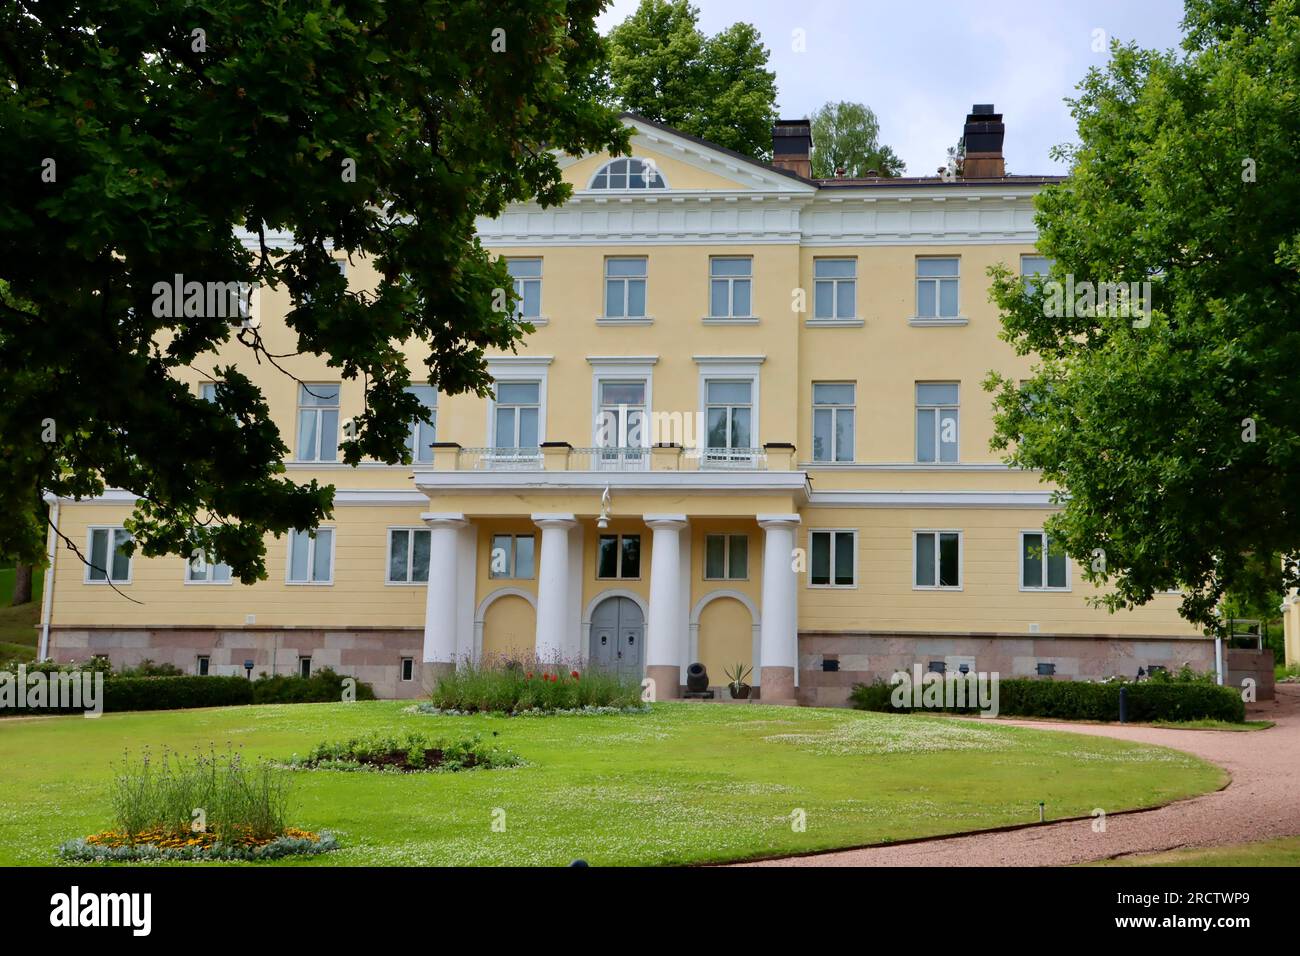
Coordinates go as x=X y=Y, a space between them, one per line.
x=561 y=456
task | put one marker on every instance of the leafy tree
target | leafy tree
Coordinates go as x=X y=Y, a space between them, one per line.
x=1175 y=432
x=717 y=88
x=141 y=135
x=847 y=136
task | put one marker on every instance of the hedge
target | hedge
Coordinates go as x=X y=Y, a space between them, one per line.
x=1083 y=700
x=182 y=693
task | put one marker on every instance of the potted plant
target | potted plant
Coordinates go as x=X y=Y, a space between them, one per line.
x=736 y=674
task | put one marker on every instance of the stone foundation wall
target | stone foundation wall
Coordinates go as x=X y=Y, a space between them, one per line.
x=372 y=655
x=863 y=657
x=1243 y=663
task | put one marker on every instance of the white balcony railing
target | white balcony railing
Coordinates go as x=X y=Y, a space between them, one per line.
x=561 y=457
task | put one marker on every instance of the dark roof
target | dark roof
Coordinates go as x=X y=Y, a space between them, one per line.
x=886 y=181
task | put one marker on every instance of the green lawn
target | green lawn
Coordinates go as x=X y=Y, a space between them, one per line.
x=684 y=783
x=1283 y=852
x=18 y=632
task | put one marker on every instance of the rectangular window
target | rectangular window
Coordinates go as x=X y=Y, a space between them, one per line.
x=937 y=418
x=938 y=559
x=202 y=665
x=512 y=556
x=318 y=422
x=408 y=668
x=419 y=442
x=729 y=288
x=936 y=288
x=833 y=406
x=527 y=276
x=408 y=555
x=304 y=667
x=835 y=288
x=517 y=414
x=625 y=280
x=202 y=570
x=728 y=410
x=311 y=557
x=618 y=556
x=1033 y=270
x=726 y=557
x=208 y=391
x=109 y=564
x=1042 y=563
x=621 y=417
x=832 y=560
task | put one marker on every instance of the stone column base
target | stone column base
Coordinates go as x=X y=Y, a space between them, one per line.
x=776 y=685
x=667 y=680
x=431 y=671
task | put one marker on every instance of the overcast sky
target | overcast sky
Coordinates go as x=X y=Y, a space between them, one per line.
x=921 y=64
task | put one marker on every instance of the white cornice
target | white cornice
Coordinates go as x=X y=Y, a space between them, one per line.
x=622 y=359
x=486 y=482
x=931 y=499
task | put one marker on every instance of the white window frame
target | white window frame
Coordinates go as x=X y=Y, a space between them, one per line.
x=831 y=585
x=616 y=369
x=646 y=164
x=835 y=413
x=299 y=408
x=410 y=554
x=726 y=555
x=835 y=290
x=938 y=425
x=515 y=369
x=1020 y=560
x=198 y=665
x=731 y=315
x=540 y=318
x=209 y=568
x=512 y=572
x=403 y=664
x=412 y=439
x=618 y=552
x=1032 y=275
x=110 y=551
x=916 y=291
x=605 y=280
x=961 y=560
x=731 y=368
x=311 y=557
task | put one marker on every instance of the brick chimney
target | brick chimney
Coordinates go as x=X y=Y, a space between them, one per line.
x=791 y=147
x=983 y=137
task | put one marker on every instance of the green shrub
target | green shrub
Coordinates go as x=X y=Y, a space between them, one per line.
x=147 y=668
x=410 y=752
x=1172 y=698
x=321 y=687
x=501 y=685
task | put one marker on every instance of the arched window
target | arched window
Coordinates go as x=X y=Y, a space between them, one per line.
x=629 y=174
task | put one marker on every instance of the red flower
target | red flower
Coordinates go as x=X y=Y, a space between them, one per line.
x=530 y=675
x=574 y=674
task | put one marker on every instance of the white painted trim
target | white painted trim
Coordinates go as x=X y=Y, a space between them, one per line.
x=831 y=585
x=109 y=552
x=632 y=360
x=518 y=368
x=628 y=190
x=931 y=499
x=919 y=323
x=311 y=557
x=410 y=554
x=961 y=560
x=834 y=323
x=924 y=466
x=721 y=368
x=47 y=598
x=630 y=369
x=560 y=481
x=729 y=360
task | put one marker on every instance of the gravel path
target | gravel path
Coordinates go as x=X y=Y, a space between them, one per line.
x=1262 y=802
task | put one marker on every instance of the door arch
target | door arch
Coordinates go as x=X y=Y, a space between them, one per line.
x=617 y=636
x=508 y=623
x=724 y=629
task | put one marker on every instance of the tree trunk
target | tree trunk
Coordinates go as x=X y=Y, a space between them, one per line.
x=22 y=584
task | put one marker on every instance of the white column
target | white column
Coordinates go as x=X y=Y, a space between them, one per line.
x=779 y=633
x=442 y=596
x=553 y=585
x=663 y=631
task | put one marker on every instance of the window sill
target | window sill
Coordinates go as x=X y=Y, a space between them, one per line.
x=936 y=587
x=634 y=320
x=104 y=584
x=725 y=320
x=834 y=587
x=536 y=321
x=309 y=584
x=1065 y=590
x=835 y=323
x=209 y=584
x=937 y=323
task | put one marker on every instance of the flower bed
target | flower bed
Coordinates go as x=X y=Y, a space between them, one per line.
x=410 y=754
x=163 y=845
x=512 y=686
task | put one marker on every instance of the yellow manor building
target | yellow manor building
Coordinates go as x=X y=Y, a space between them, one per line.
x=749 y=427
